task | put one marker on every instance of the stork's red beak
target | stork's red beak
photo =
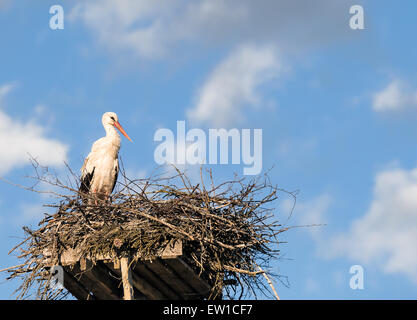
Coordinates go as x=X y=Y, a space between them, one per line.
x=118 y=126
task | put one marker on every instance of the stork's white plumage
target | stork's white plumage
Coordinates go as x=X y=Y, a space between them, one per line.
x=101 y=167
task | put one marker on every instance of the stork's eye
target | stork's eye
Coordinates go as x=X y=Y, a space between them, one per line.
x=112 y=118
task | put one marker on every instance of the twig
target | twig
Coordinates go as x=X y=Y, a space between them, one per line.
x=225 y=230
x=269 y=282
x=14 y=267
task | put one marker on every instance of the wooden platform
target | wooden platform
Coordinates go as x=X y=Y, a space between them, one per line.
x=167 y=277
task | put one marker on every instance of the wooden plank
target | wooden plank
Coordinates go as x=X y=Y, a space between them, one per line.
x=108 y=284
x=76 y=288
x=189 y=276
x=73 y=255
x=87 y=283
x=172 y=250
x=144 y=272
x=126 y=278
x=97 y=281
x=146 y=288
x=69 y=256
x=116 y=263
x=143 y=288
x=168 y=275
x=83 y=264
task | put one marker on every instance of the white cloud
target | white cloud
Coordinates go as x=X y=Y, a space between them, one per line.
x=4 y=90
x=310 y=213
x=126 y=24
x=33 y=212
x=4 y=4
x=168 y=29
x=173 y=151
x=233 y=85
x=314 y=211
x=312 y=286
x=153 y=29
x=135 y=174
x=386 y=235
x=297 y=147
x=396 y=96
x=20 y=139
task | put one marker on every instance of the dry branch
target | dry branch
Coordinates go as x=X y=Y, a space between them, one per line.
x=229 y=231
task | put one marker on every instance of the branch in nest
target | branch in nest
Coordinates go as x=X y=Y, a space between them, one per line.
x=226 y=229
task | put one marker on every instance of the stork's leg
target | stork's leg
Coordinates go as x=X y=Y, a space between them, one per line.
x=95 y=196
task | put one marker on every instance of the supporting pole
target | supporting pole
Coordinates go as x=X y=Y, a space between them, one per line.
x=126 y=278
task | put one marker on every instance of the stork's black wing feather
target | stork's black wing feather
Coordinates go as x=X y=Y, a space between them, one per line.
x=86 y=181
x=115 y=178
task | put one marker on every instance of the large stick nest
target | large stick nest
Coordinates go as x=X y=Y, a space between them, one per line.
x=229 y=232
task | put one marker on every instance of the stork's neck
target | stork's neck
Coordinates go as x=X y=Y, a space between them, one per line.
x=112 y=134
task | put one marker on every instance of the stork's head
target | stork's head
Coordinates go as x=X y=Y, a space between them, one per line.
x=110 y=118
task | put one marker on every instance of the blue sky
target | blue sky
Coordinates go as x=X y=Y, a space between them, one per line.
x=337 y=108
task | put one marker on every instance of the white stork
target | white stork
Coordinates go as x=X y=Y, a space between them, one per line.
x=101 y=167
